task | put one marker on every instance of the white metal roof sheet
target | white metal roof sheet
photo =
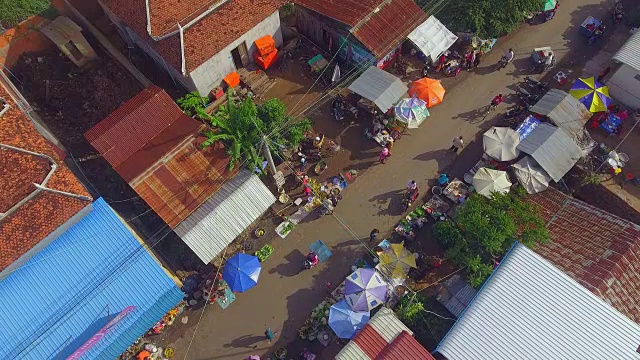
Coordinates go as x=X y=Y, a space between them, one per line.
x=379 y=86
x=529 y=309
x=387 y=324
x=432 y=37
x=629 y=53
x=567 y=112
x=217 y=222
x=352 y=352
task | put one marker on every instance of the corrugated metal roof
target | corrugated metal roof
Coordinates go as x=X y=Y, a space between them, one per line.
x=141 y=131
x=352 y=351
x=456 y=294
x=235 y=206
x=597 y=249
x=370 y=341
x=59 y=299
x=564 y=110
x=553 y=149
x=379 y=30
x=529 y=309
x=386 y=323
x=629 y=53
x=405 y=347
x=183 y=180
x=379 y=86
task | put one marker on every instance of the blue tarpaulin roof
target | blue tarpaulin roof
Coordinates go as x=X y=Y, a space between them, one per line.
x=64 y=294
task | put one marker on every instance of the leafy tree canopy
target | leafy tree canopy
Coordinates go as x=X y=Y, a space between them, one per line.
x=241 y=124
x=488 y=18
x=483 y=229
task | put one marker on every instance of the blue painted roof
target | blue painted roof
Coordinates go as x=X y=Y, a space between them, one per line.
x=64 y=294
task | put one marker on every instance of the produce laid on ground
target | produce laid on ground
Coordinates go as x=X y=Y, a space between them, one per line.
x=264 y=253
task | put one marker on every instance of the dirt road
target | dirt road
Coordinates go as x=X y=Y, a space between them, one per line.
x=284 y=298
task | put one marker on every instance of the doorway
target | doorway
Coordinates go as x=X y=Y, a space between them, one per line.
x=240 y=55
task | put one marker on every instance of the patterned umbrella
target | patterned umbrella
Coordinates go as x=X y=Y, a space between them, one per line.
x=592 y=94
x=346 y=322
x=241 y=272
x=411 y=111
x=395 y=261
x=365 y=290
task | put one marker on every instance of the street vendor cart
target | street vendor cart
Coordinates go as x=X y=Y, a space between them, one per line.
x=542 y=58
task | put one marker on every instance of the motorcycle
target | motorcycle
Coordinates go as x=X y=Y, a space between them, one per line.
x=337 y=109
x=524 y=94
x=409 y=198
x=515 y=111
x=310 y=261
x=502 y=63
x=618 y=14
x=541 y=86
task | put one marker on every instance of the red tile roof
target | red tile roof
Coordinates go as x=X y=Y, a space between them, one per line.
x=405 y=347
x=38 y=217
x=370 y=342
x=154 y=147
x=380 y=31
x=203 y=40
x=599 y=250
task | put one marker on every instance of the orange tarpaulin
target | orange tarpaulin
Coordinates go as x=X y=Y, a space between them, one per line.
x=232 y=80
x=265 y=45
x=429 y=90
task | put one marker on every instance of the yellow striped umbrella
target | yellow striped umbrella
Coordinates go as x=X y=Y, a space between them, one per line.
x=594 y=95
x=395 y=261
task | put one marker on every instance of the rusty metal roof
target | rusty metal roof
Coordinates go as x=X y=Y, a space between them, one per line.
x=379 y=26
x=405 y=347
x=155 y=148
x=599 y=250
x=370 y=341
x=139 y=129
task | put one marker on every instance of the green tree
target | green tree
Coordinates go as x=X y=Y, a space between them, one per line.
x=411 y=308
x=239 y=128
x=488 y=18
x=192 y=103
x=483 y=229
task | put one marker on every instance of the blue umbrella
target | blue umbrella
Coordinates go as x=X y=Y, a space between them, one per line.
x=241 y=272
x=346 y=322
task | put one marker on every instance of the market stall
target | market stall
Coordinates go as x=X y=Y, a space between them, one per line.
x=456 y=191
x=487 y=181
x=563 y=110
x=429 y=90
x=501 y=143
x=411 y=111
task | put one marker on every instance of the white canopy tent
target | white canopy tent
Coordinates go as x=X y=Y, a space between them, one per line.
x=432 y=37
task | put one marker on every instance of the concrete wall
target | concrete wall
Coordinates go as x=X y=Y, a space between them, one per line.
x=624 y=86
x=209 y=75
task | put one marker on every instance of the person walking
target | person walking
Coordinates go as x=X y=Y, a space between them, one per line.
x=373 y=235
x=269 y=334
x=476 y=62
x=384 y=154
x=458 y=144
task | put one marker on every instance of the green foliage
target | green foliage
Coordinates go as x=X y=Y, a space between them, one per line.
x=591 y=179
x=12 y=12
x=295 y=133
x=410 y=309
x=484 y=229
x=488 y=18
x=192 y=103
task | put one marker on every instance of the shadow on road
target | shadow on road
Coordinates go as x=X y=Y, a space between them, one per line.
x=246 y=341
x=441 y=156
x=292 y=266
x=389 y=203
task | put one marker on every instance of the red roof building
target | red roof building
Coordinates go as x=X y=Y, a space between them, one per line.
x=599 y=250
x=378 y=27
x=384 y=338
x=217 y=35
x=30 y=215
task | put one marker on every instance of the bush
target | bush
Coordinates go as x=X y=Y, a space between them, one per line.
x=410 y=309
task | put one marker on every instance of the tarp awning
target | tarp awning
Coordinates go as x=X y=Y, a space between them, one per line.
x=380 y=87
x=432 y=37
x=217 y=222
x=565 y=111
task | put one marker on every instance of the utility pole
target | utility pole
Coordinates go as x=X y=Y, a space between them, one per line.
x=267 y=155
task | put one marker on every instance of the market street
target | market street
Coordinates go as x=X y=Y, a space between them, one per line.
x=284 y=297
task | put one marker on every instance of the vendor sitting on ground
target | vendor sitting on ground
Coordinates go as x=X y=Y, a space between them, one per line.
x=443 y=180
x=377 y=127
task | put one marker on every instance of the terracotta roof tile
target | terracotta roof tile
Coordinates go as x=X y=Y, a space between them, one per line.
x=405 y=347
x=381 y=31
x=38 y=217
x=202 y=40
x=165 y=166
x=597 y=249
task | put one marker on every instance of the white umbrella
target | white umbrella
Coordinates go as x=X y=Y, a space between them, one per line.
x=532 y=177
x=487 y=181
x=500 y=143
